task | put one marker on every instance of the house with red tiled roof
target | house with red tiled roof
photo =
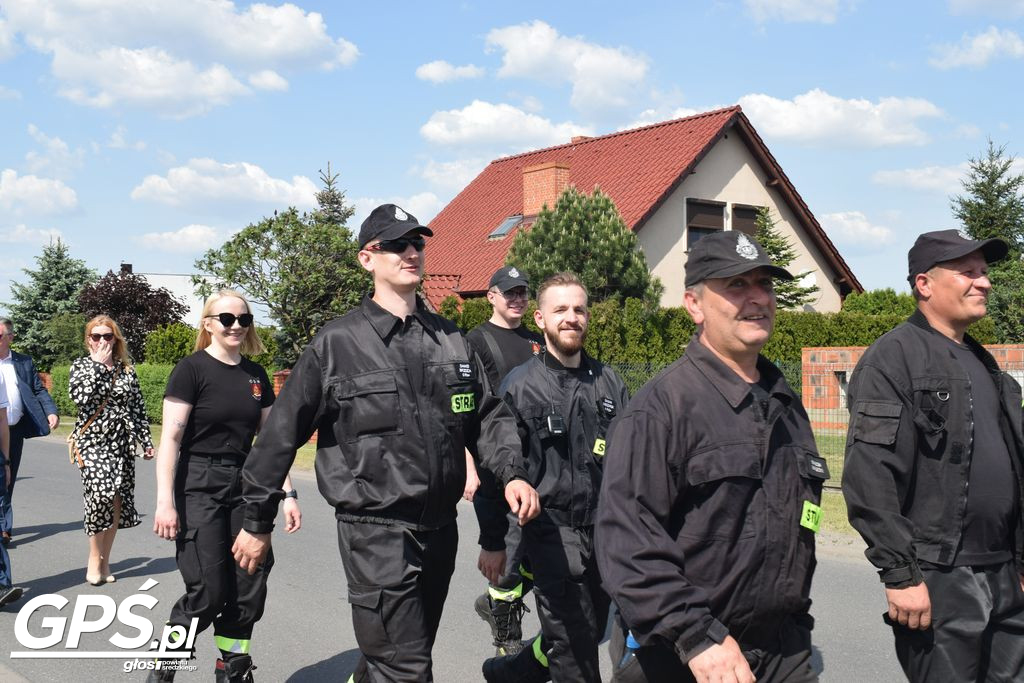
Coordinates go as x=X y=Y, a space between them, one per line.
x=672 y=182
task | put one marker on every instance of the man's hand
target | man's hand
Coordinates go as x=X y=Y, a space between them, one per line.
x=250 y=550
x=472 y=484
x=911 y=607
x=292 y=515
x=165 y=522
x=723 y=663
x=53 y=421
x=522 y=500
x=492 y=565
x=148 y=454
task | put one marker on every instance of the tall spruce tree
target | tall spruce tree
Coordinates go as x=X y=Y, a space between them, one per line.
x=993 y=206
x=52 y=290
x=586 y=235
x=788 y=293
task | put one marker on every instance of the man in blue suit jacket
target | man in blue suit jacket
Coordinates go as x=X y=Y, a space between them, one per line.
x=31 y=411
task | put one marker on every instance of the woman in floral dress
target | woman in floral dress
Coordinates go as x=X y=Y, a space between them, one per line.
x=111 y=423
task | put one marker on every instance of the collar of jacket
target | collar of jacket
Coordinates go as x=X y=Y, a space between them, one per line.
x=553 y=363
x=918 y=319
x=384 y=322
x=734 y=389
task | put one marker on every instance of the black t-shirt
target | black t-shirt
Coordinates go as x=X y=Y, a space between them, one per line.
x=516 y=347
x=226 y=402
x=992 y=486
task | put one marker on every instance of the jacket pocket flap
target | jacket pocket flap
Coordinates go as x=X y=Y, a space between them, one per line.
x=812 y=466
x=877 y=422
x=361 y=385
x=364 y=596
x=742 y=460
x=879 y=408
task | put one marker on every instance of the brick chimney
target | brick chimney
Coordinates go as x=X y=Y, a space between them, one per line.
x=542 y=184
x=576 y=139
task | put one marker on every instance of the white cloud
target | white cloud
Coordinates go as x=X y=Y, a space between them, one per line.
x=56 y=157
x=1000 y=8
x=978 y=50
x=484 y=122
x=21 y=234
x=119 y=140
x=423 y=205
x=7 y=48
x=452 y=175
x=659 y=114
x=853 y=228
x=818 y=11
x=601 y=77
x=207 y=180
x=9 y=94
x=183 y=57
x=942 y=179
x=189 y=239
x=440 y=71
x=268 y=80
x=150 y=78
x=31 y=194
x=818 y=117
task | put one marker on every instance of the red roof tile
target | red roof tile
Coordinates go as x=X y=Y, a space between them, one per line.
x=637 y=168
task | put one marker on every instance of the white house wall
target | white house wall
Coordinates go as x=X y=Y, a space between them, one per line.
x=728 y=173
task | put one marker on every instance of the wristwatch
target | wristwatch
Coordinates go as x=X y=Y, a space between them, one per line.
x=292 y=494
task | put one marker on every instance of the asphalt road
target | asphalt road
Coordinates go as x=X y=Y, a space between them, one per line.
x=306 y=633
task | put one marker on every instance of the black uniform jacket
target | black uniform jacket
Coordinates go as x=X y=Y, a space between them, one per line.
x=395 y=403
x=699 y=528
x=564 y=468
x=909 y=447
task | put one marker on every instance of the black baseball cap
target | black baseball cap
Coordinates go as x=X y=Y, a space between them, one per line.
x=388 y=222
x=932 y=248
x=725 y=254
x=507 y=278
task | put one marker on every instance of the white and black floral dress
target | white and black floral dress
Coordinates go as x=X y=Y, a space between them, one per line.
x=108 y=446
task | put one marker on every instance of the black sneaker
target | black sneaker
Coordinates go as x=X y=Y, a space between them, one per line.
x=10 y=594
x=506 y=621
x=236 y=669
x=521 y=668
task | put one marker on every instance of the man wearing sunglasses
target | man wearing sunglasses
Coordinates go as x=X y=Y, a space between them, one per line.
x=31 y=411
x=397 y=396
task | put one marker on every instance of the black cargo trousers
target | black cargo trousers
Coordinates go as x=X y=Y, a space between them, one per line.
x=208 y=498
x=572 y=605
x=397 y=584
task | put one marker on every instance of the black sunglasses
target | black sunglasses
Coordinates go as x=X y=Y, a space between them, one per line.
x=107 y=336
x=398 y=246
x=228 y=319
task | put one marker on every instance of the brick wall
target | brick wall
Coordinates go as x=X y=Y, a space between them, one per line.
x=826 y=369
x=279 y=379
x=542 y=184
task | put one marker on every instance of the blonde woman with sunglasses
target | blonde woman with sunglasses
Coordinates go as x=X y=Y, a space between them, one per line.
x=112 y=424
x=215 y=402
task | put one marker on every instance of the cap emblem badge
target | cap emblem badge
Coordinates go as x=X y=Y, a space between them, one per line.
x=745 y=248
x=401 y=215
x=963 y=235
x=512 y=272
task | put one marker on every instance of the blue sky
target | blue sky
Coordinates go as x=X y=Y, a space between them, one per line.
x=147 y=131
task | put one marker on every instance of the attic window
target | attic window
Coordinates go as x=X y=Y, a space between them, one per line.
x=506 y=226
x=703 y=218
x=744 y=218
